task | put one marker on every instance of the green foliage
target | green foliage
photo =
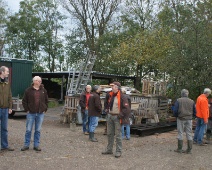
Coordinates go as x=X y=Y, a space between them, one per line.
x=188 y=62
x=32 y=33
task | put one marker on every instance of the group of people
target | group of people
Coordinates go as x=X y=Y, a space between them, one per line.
x=117 y=108
x=185 y=109
x=35 y=103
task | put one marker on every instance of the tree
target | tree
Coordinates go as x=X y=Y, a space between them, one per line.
x=32 y=33
x=92 y=20
x=3 y=18
x=189 y=25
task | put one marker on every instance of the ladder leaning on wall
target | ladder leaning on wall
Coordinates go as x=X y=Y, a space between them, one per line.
x=77 y=82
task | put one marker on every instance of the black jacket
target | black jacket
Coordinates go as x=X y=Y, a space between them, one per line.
x=28 y=100
x=94 y=105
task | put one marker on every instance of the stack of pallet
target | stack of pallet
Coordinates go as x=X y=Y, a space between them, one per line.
x=153 y=88
x=147 y=109
x=70 y=109
x=163 y=108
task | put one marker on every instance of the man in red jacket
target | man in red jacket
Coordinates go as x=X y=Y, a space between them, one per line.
x=202 y=115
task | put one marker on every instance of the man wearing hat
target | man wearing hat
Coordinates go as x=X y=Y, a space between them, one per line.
x=118 y=110
x=202 y=117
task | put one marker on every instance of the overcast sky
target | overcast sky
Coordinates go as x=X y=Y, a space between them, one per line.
x=13 y=5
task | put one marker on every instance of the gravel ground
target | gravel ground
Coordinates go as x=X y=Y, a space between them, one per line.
x=63 y=148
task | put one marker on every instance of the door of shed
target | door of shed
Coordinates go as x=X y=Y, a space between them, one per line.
x=20 y=74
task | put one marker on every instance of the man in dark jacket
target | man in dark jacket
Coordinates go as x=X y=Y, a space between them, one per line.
x=35 y=103
x=184 y=110
x=84 y=98
x=5 y=107
x=94 y=111
x=125 y=123
x=118 y=110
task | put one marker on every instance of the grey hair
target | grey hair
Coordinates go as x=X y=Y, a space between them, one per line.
x=184 y=93
x=88 y=86
x=36 y=78
x=2 y=68
x=207 y=91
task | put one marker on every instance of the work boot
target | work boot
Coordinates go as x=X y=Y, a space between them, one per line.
x=37 y=148
x=25 y=148
x=92 y=137
x=189 y=144
x=107 y=152
x=118 y=154
x=7 y=149
x=208 y=135
x=180 y=146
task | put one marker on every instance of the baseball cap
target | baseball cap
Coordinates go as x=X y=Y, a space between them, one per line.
x=115 y=83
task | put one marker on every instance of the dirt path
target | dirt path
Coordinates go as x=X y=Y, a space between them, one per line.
x=64 y=149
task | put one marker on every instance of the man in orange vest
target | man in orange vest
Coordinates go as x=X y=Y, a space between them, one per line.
x=202 y=115
x=118 y=110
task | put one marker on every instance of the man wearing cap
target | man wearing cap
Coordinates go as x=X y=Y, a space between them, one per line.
x=94 y=111
x=184 y=110
x=118 y=110
x=202 y=117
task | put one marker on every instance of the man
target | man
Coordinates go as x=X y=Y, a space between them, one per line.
x=209 y=125
x=125 y=123
x=118 y=109
x=202 y=117
x=35 y=103
x=184 y=110
x=84 y=98
x=5 y=107
x=94 y=111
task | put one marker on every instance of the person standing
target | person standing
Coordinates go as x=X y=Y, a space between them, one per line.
x=84 y=98
x=125 y=123
x=209 y=125
x=5 y=107
x=35 y=103
x=184 y=110
x=94 y=111
x=202 y=117
x=118 y=109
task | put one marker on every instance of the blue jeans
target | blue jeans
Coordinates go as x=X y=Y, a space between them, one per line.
x=127 y=131
x=85 y=122
x=199 y=131
x=93 y=123
x=38 y=119
x=3 y=123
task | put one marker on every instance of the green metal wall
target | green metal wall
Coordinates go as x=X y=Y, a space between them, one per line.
x=21 y=74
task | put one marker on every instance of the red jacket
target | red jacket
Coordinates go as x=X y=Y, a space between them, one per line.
x=202 y=107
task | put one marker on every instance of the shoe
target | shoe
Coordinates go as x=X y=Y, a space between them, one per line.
x=127 y=138
x=25 y=148
x=202 y=144
x=91 y=137
x=7 y=149
x=107 y=152
x=118 y=154
x=179 y=147
x=86 y=133
x=194 y=142
x=37 y=148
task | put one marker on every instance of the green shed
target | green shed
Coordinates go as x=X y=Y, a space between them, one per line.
x=20 y=74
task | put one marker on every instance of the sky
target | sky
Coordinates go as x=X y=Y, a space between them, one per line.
x=13 y=5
